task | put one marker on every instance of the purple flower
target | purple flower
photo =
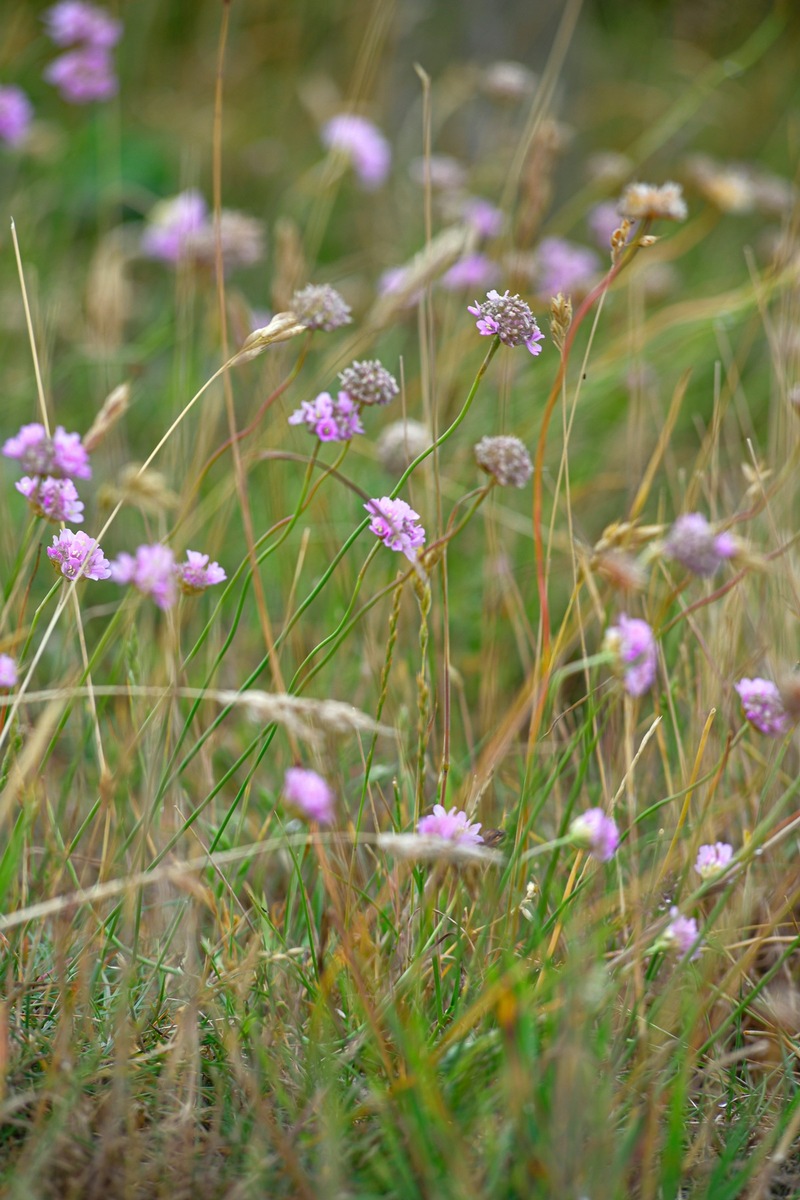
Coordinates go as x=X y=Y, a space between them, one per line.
x=331 y=420
x=481 y=215
x=151 y=571
x=595 y=832
x=563 y=266
x=693 y=543
x=509 y=318
x=196 y=573
x=363 y=144
x=633 y=649
x=763 y=707
x=77 y=554
x=53 y=499
x=395 y=523
x=75 y=21
x=83 y=75
x=16 y=114
x=309 y=792
x=680 y=935
x=470 y=273
x=8 y=671
x=62 y=456
x=453 y=826
x=171 y=225
x=712 y=859
x=604 y=221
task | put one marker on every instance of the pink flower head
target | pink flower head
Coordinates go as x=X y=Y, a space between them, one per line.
x=172 y=224
x=196 y=573
x=331 y=420
x=74 y=21
x=309 y=792
x=509 y=318
x=83 y=75
x=595 y=832
x=693 y=543
x=151 y=572
x=62 y=456
x=680 y=935
x=395 y=523
x=16 y=114
x=481 y=215
x=453 y=826
x=712 y=859
x=633 y=649
x=604 y=221
x=76 y=554
x=363 y=144
x=563 y=266
x=53 y=499
x=763 y=707
x=473 y=271
x=8 y=672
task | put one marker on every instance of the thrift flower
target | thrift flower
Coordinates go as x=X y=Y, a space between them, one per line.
x=763 y=707
x=564 y=266
x=16 y=114
x=309 y=792
x=506 y=458
x=646 y=201
x=509 y=318
x=473 y=271
x=693 y=544
x=76 y=554
x=481 y=215
x=62 y=456
x=633 y=647
x=196 y=574
x=8 y=672
x=319 y=306
x=369 y=382
x=595 y=832
x=363 y=144
x=453 y=826
x=171 y=225
x=712 y=859
x=76 y=21
x=680 y=935
x=395 y=523
x=83 y=75
x=331 y=420
x=151 y=571
x=53 y=499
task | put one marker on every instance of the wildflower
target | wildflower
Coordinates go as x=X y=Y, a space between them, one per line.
x=509 y=318
x=76 y=21
x=196 y=573
x=319 y=306
x=395 y=523
x=16 y=114
x=763 y=707
x=693 y=544
x=505 y=458
x=680 y=935
x=53 y=499
x=331 y=420
x=453 y=826
x=171 y=224
x=473 y=271
x=481 y=215
x=604 y=221
x=712 y=859
x=151 y=571
x=445 y=174
x=595 y=832
x=309 y=792
x=62 y=456
x=77 y=554
x=8 y=672
x=400 y=443
x=363 y=144
x=83 y=75
x=633 y=648
x=369 y=382
x=646 y=201
x=564 y=267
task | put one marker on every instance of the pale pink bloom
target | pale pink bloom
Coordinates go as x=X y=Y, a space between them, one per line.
x=763 y=706
x=453 y=826
x=681 y=934
x=712 y=859
x=76 y=554
x=310 y=793
x=595 y=832
x=469 y=274
x=8 y=672
x=693 y=543
x=172 y=224
x=633 y=648
x=83 y=75
x=396 y=524
x=481 y=215
x=151 y=572
x=62 y=456
x=16 y=114
x=563 y=266
x=196 y=574
x=76 y=21
x=604 y=221
x=53 y=499
x=363 y=144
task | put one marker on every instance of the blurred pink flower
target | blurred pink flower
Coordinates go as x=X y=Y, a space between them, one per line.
x=151 y=572
x=595 y=832
x=53 y=499
x=8 y=671
x=633 y=648
x=196 y=574
x=70 y=551
x=310 y=793
x=763 y=707
x=692 y=542
x=363 y=144
x=712 y=859
x=680 y=935
x=76 y=21
x=171 y=225
x=16 y=114
x=469 y=274
x=453 y=826
x=62 y=456
x=83 y=75
x=564 y=266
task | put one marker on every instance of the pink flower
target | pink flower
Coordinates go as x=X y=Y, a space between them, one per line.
x=680 y=935
x=563 y=266
x=16 y=114
x=309 y=792
x=62 y=456
x=474 y=271
x=453 y=826
x=83 y=75
x=196 y=574
x=595 y=832
x=395 y=523
x=633 y=649
x=712 y=859
x=77 y=554
x=151 y=572
x=481 y=215
x=171 y=225
x=763 y=707
x=509 y=318
x=331 y=420
x=693 y=543
x=604 y=221
x=8 y=672
x=53 y=499
x=76 y=21
x=363 y=144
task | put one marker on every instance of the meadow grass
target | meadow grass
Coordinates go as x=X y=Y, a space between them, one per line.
x=207 y=992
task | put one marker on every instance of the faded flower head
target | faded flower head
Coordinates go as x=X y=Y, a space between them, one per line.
x=16 y=114
x=564 y=266
x=151 y=572
x=76 y=554
x=595 y=832
x=195 y=573
x=453 y=826
x=397 y=525
x=74 y=21
x=693 y=543
x=369 y=382
x=633 y=648
x=729 y=186
x=319 y=306
x=647 y=201
x=310 y=793
x=712 y=859
x=400 y=443
x=509 y=318
x=680 y=935
x=763 y=707
x=83 y=75
x=331 y=420
x=53 y=499
x=61 y=456
x=8 y=672
x=505 y=458
x=363 y=144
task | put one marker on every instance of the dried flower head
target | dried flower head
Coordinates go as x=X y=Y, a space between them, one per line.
x=8 y=672
x=560 y=318
x=310 y=793
x=693 y=543
x=61 y=456
x=763 y=707
x=729 y=186
x=397 y=525
x=400 y=443
x=331 y=420
x=16 y=114
x=509 y=318
x=320 y=306
x=369 y=382
x=195 y=573
x=506 y=459
x=453 y=826
x=360 y=141
x=151 y=572
x=53 y=499
x=76 y=554
x=712 y=859
x=649 y=202
x=595 y=832
x=633 y=649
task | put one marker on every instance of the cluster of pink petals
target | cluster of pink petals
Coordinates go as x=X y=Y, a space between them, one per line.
x=681 y=934
x=309 y=793
x=692 y=542
x=396 y=524
x=73 y=21
x=154 y=572
x=481 y=215
x=16 y=114
x=172 y=224
x=712 y=859
x=53 y=499
x=8 y=672
x=331 y=420
x=62 y=456
x=196 y=573
x=509 y=318
x=453 y=826
x=75 y=554
x=469 y=273
x=595 y=832
x=763 y=706
x=564 y=266
x=363 y=144
x=86 y=72
x=633 y=647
